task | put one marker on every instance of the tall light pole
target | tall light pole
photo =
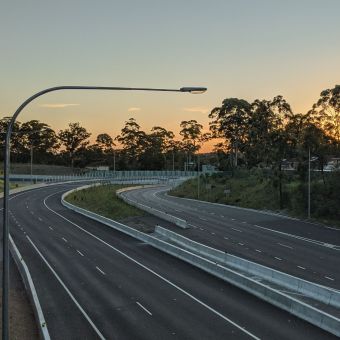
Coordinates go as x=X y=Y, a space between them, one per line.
x=5 y=236
x=32 y=163
x=198 y=176
x=309 y=183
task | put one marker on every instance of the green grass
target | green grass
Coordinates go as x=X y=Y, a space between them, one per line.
x=246 y=192
x=104 y=201
x=11 y=185
x=253 y=189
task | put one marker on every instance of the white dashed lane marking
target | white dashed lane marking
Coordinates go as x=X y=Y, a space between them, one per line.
x=145 y=310
x=80 y=253
x=284 y=245
x=329 y=278
x=240 y=231
x=100 y=270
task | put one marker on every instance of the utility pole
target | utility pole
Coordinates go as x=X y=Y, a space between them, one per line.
x=114 y=162
x=198 y=176
x=32 y=163
x=309 y=183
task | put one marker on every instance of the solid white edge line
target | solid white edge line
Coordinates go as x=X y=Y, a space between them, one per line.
x=141 y=306
x=154 y=273
x=67 y=290
x=40 y=314
x=316 y=242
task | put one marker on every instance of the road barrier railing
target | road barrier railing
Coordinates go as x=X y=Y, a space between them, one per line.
x=274 y=296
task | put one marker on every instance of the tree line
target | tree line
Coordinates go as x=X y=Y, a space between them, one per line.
x=261 y=133
x=132 y=149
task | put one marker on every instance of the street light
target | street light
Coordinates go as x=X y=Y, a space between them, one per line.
x=5 y=236
x=309 y=161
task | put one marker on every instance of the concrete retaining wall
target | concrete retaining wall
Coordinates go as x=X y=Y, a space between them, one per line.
x=164 y=216
x=277 y=298
x=320 y=293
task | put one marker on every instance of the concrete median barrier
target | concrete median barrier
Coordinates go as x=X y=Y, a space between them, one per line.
x=163 y=215
x=209 y=262
x=317 y=292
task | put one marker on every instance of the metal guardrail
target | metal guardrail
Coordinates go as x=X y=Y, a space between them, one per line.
x=106 y=175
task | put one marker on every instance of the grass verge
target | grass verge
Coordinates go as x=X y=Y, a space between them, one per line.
x=253 y=189
x=104 y=201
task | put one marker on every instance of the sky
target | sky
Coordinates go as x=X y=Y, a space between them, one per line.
x=250 y=49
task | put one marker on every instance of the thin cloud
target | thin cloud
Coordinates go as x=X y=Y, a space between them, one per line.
x=57 y=106
x=131 y=109
x=198 y=109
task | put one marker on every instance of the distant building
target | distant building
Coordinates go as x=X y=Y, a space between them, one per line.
x=98 y=168
x=208 y=168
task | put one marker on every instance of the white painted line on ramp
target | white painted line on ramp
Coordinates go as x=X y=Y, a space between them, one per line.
x=141 y=306
x=100 y=335
x=200 y=302
x=284 y=245
x=80 y=253
x=100 y=270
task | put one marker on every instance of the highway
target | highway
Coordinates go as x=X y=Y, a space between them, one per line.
x=97 y=283
x=302 y=249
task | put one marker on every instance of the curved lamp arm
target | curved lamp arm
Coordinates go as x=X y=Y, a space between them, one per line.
x=5 y=235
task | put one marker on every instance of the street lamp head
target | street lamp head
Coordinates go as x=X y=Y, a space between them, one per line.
x=193 y=90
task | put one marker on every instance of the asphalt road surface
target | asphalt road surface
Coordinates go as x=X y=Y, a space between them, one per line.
x=302 y=249
x=94 y=282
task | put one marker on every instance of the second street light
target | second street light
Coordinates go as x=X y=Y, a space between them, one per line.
x=5 y=239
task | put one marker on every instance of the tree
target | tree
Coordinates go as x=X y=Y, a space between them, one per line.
x=16 y=137
x=266 y=134
x=133 y=141
x=230 y=121
x=191 y=133
x=155 y=148
x=105 y=142
x=41 y=138
x=73 y=139
x=326 y=112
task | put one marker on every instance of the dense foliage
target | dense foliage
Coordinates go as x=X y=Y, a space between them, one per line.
x=261 y=134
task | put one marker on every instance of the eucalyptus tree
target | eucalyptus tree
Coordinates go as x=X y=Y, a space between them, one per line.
x=230 y=121
x=133 y=141
x=16 y=138
x=74 y=139
x=40 y=138
x=191 y=132
x=326 y=113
